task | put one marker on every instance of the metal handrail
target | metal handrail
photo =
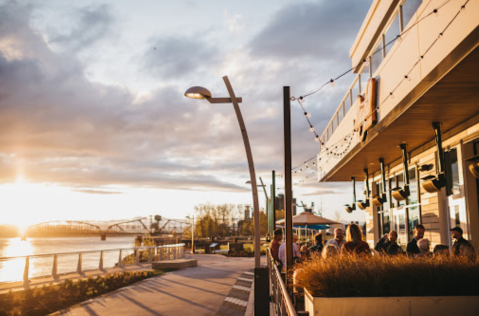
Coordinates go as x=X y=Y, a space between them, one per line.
x=282 y=300
x=172 y=252
x=90 y=251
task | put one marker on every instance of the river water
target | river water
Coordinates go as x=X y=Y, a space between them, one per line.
x=12 y=270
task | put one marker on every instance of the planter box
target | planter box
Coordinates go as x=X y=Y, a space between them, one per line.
x=391 y=306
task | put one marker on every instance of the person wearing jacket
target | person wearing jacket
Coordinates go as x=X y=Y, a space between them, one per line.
x=389 y=247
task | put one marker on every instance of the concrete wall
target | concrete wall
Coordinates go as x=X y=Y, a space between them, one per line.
x=392 y=306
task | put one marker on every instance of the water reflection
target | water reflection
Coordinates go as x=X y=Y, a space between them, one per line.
x=12 y=270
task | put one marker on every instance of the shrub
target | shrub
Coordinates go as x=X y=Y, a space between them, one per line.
x=53 y=297
x=389 y=276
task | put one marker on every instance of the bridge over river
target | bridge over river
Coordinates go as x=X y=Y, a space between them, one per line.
x=156 y=225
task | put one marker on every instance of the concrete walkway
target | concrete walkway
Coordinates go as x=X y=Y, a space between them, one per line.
x=193 y=291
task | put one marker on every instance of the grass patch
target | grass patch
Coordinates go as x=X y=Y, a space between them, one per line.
x=54 y=297
x=381 y=276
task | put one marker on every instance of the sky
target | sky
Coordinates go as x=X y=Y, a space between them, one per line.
x=94 y=124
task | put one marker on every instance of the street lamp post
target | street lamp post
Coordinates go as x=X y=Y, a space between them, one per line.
x=192 y=234
x=261 y=274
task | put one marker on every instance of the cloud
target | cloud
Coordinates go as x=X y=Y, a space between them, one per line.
x=94 y=23
x=173 y=57
x=97 y=191
x=63 y=128
x=235 y=23
x=323 y=30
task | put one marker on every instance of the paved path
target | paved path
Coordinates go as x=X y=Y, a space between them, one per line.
x=193 y=291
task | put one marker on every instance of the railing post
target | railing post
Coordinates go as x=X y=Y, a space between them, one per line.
x=137 y=261
x=161 y=254
x=168 y=253
x=119 y=259
x=100 y=266
x=150 y=255
x=27 y=268
x=79 y=266
x=55 y=265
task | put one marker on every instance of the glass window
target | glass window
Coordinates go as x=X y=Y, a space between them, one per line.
x=376 y=57
x=392 y=34
x=456 y=185
x=386 y=222
x=364 y=78
x=413 y=198
x=400 y=182
x=387 y=204
x=392 y=185
x=409 y=8
x=413 y=220
x=457 y=215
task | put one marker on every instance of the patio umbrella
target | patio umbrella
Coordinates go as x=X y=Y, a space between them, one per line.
x=308 y=218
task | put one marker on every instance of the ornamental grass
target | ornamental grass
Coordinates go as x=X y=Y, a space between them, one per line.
x=385 y=276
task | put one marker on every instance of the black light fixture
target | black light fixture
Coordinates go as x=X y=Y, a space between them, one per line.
x=380 y=200
x=430 y=183
x=352 y=208
x=400 y=194
x=425 y=168
x=474 y=167
x=364 y=204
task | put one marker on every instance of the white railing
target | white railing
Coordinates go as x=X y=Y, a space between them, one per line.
x=161 y=253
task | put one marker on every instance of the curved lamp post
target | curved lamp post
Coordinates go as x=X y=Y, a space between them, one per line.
x=202 y=93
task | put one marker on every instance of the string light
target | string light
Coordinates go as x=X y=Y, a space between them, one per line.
x=311 y=128
x=332 y=150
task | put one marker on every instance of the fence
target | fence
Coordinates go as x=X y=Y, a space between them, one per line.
x=281 y=299
x=126 y=256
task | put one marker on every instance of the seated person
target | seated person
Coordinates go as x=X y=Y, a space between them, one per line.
x=458 y=240
x=424 y=244
x=412 y=248
x=296 y=252
x=330 y=251
x=441 y=250
x=466 y=250
x=355 y=245
x=318 y=246
x=389 y=247
x=274 y=245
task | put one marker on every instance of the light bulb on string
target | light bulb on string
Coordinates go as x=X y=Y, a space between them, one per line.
x=365 y=62
x=407 y=78
x=302 y=99
x=440 y=36
x=332 y=83
x=307 y=114
x=399 y=39
x=316 y=139
x=463 y=7
x=311 y=128
x=391 y=95
x=436 y=13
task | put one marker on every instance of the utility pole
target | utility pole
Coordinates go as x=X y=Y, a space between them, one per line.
x=288 y=184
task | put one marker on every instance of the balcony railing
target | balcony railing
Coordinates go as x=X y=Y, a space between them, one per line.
x=346 y=104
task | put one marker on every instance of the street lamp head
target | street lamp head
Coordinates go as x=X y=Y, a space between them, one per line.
x=198 y=92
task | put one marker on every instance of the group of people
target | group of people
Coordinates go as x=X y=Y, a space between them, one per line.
x=354 y=244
